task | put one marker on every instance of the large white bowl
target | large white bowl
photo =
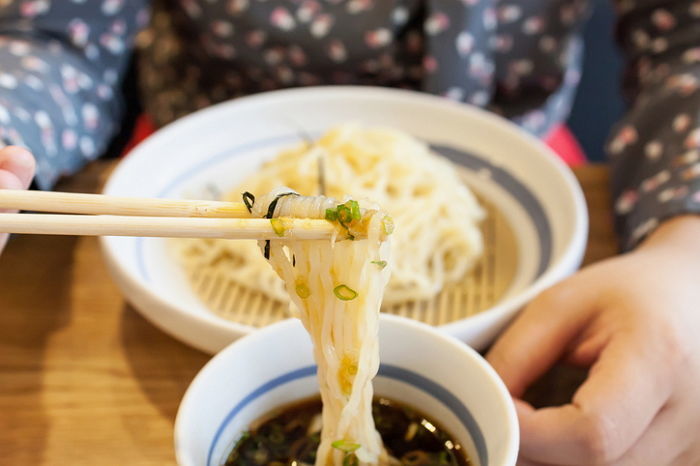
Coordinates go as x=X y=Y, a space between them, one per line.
x=421 y=367
x=219 y=146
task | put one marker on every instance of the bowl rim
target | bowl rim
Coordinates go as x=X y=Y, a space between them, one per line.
x=219 y=360
x=568 y=260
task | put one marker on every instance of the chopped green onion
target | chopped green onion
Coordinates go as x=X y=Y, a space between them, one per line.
x=344 y=445
x=236 y=449
x=444 y=457
x=380 y=264
x=354 y=209
x=260 y=456
x=303 y=291
x=277 y=436
x=344 y=293
x=344 y=214
x=331 y=215
x=278 y=226
x=244 y=436
x=249 y=201
x=350 y=460
x=233 y=457
x=388 y=225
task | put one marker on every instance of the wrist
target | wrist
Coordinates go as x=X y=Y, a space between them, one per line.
x=677 y=236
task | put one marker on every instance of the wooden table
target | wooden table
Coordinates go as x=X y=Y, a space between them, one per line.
x=84 y=379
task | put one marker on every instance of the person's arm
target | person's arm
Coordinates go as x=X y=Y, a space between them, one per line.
x=633 y=319
x=61 y=64
x=655 y=149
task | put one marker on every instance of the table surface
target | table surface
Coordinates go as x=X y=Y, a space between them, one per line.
x=84 y=379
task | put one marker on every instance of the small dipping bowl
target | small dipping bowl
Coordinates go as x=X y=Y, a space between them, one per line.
x=421 y=367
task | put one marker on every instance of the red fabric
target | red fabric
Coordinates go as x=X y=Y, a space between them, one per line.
x=143 y=128
x=560 y=139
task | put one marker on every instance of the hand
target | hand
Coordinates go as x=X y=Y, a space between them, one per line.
x=635 y=320
x=16 y=172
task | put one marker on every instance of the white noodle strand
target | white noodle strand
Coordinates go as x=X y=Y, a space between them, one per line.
x=422 y=192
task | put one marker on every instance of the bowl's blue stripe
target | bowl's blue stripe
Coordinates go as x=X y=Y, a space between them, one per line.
x=516 y=189
x=502 y=177
x=447 y=398
x=224 y=155
x=385 y=370
x=201 y=165
x=261 y=390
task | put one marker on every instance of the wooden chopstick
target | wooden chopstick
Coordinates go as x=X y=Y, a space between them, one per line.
x=173 y=227
x=98 y=204
x=133 y=216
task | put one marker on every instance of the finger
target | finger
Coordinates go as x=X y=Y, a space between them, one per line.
x=526 y=462
x=19 y=162
x=8 y=180
x=660 y=444
x=625 y=389
x=541 y=334
x=586 y=352
x=16 y=172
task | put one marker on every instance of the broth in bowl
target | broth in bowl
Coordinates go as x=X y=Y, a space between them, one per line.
x=291 y=435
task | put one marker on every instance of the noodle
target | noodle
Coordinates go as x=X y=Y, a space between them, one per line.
x=438 y=214
x=336 y=287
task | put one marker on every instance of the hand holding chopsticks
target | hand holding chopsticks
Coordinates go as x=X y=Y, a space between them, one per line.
x=125 y=216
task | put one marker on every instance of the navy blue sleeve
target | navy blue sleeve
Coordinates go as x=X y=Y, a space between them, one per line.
x=655 y=150
x=61 y=63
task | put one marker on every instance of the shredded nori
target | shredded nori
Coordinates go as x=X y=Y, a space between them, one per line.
x=249 y=201
x=321 y=176
x=270 y=213
x=273 y=204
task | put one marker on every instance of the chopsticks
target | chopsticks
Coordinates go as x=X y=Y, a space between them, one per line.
x=100 y=204
x=167 y=227
x=123 y=216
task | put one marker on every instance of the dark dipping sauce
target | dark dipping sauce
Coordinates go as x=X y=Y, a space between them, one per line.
x=283 y=439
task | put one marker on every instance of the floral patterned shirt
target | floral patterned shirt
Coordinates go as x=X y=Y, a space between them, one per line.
x=63 y=61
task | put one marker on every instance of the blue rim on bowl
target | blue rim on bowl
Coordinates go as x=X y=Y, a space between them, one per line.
x=246 y=381
x=385 y=370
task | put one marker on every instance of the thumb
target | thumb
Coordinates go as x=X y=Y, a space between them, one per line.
x=16 y=172
x=17 y=167
x=542 y=333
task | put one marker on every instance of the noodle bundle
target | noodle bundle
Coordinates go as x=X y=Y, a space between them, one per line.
x=423 y=192
x=336 y=287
